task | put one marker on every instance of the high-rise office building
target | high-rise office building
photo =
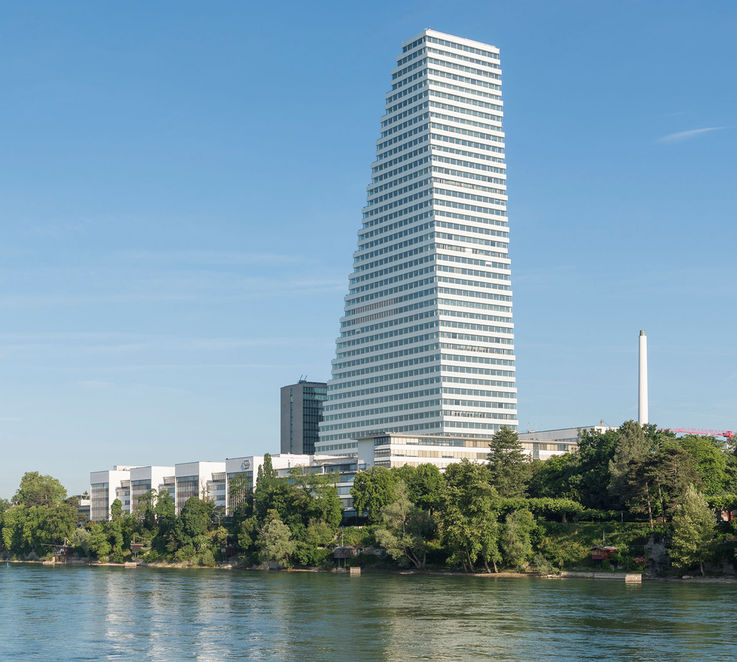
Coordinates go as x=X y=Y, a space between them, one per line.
x=426 y=344
x=301 y=413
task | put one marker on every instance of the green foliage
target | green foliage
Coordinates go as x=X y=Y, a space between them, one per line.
x=693 y=531
x=425 y=485
x=710 y=462
x=98 y=542
x=560 y=476
x=81 y=541
x=406 y=529
x=274 y=542
x=546 y=507
x=312 y=550
x=631 y=449
x=469 y=516
x=509 y=465
x=373 y=490
x=38 y=490
x=542 y=565
x=519 y=526
x=595 y=451
x=36 y=529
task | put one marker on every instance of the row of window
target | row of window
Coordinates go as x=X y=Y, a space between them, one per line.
x=409 y=395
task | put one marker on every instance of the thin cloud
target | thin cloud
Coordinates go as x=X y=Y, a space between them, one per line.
x=680 y=136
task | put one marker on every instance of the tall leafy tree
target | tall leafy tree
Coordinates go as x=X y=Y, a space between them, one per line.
x=595 y=451
x=274 y=541
x=406 y=529
x=373 y=490
x=632 y=447
x=39 y=490
x=509 y=465
x=425 y=485
x=710 y=462
x=469 y=516
x=271 y=493
x=517 y=538
x=693 y=531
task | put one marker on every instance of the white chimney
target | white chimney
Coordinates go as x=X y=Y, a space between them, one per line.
x=642 y=383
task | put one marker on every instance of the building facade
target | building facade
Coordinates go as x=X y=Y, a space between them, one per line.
x=301 y=414
x=225 y=483
x=543 y=444
x=145 y=479
x=105 y=487
x=426 y=344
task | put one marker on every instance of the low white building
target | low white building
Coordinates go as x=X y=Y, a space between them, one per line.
x=145 y=479
x=344 y=469
x=389 y=449
x=105 y=487
x=201 y=480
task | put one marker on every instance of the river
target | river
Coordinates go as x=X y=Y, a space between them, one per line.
x=88 y=613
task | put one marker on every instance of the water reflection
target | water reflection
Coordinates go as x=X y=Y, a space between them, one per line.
x=162 y=614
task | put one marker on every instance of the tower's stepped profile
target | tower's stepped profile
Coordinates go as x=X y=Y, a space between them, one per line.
x=426 y=344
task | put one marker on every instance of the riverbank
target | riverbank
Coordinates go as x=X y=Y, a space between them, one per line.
x=565 y=574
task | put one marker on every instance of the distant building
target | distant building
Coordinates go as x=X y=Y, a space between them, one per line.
x=105 y=487
x=201 y=480
x=145 y=479
x=301 y=413
x=391 y=449
x=225 y=483
x=344 y=469
x=546 y=443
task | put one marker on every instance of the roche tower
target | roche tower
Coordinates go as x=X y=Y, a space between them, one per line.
x=426 y=344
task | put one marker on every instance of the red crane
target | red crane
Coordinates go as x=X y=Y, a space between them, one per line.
x=728 y=434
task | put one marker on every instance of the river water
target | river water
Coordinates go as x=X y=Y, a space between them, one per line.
x=87 y=613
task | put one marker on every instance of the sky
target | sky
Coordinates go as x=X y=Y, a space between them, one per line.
x=181 y=184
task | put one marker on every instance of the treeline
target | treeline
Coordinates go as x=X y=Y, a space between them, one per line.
x=622 y=488
x=477 y=516
x=284 y=521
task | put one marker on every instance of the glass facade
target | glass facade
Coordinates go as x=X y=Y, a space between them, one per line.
x=426 y=344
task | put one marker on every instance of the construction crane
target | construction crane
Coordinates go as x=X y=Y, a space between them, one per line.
x=727 y=434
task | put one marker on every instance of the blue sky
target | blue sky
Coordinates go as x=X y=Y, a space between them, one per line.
x=182 y=184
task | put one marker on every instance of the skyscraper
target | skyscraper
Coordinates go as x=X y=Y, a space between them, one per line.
x=301 y=413
x=426 y=344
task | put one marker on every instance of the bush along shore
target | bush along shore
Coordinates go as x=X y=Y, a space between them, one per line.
x=631 y=499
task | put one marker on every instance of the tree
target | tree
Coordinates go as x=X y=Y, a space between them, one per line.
x=468 y=516
x=710 y=462
x=517 y=538
x=595 y=450
x=81 y=541
x=98 y=542
x=671 y=471
x=38 y=490
x=145 y=511
x=631 y=447
x=407 y=529
x=312 y=549
x=312 y=497
x=373 y=490
x=693 y=531
x=558 y=477
x=275 y=542
x=271 y=493
x=425 y=485
x=509 y=465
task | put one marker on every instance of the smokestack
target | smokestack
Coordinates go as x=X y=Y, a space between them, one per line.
x=642 y=382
